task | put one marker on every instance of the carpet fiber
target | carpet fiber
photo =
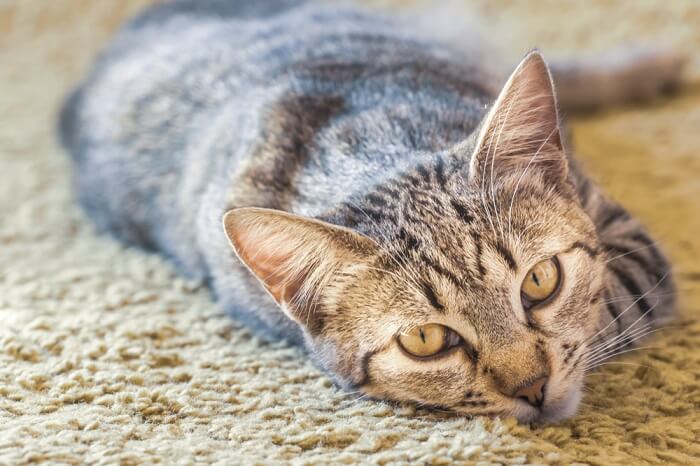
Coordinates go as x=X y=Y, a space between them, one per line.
x=106 y=356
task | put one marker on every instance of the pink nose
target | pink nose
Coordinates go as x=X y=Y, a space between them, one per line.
x=532 y=392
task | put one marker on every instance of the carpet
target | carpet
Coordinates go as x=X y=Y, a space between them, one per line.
x=108 y=357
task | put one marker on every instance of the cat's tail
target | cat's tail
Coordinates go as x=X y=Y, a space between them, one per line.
x=627 y=75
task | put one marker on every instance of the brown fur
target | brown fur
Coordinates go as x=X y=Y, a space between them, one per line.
x=523 y=210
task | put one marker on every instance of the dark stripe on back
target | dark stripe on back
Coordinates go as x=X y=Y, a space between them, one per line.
x=615 y=314
x=623 y=253
x=440 y=172
x=614 y=214
x=584 y=190
x=643 y=238
x=413 y=181
x=634 y=290
x=376 y=200
x=389 y=191
x=424 y=173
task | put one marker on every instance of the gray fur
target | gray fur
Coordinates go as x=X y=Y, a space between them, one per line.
x=194 y=110
x=322 y=111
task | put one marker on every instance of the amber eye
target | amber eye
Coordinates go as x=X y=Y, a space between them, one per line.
x=540 y=282
x=428 y=340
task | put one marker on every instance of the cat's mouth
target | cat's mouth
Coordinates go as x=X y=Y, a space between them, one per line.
x=560 y=403
x=557 y=408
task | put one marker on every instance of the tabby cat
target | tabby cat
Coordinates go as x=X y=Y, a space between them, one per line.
x=352 y=188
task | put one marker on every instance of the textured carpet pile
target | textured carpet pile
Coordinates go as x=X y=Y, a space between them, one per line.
x=107 y=356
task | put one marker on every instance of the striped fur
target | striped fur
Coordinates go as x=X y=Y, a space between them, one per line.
x=365 y=188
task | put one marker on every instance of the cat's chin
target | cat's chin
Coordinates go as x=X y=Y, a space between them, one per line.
x=562 y=400
x=560 y=409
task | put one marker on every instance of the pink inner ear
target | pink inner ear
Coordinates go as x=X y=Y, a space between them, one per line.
x=272 y=269
x=293 y=257
x=522 y=130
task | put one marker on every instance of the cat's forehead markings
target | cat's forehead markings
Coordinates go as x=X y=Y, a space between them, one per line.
x=507 y=255
x=432 y=296
x=592 y=251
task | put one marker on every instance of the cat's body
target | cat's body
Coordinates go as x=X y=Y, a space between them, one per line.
x=342 y=116
x=223 y=113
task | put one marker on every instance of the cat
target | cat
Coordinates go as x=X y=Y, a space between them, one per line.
x=369 y=195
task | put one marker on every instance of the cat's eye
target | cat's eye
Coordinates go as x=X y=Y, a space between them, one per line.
x=428 y=340
x=541 y=282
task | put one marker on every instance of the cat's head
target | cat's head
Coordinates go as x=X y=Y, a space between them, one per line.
x=470 y=283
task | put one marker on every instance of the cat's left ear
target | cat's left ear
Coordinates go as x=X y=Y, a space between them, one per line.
x=521 y=131
x=295 y=258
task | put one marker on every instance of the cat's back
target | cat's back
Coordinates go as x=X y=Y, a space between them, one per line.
x=193 y=87
x=170 y=68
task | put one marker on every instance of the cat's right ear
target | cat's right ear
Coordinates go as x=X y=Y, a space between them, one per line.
x=295 y=258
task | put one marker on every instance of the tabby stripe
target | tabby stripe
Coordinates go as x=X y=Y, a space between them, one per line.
x=364 y=365
x=624 y=253
x=507 y=256
x=591 y=251
x=643 y=238
x=479 y=251
x=462 y=211
x=364 y=213
x=440 y=172
x=634 y=290
x=376 y=200
x=613 y=312
x=442 y=271
x=432 y=297
x=613 y=215
x=424 y=173
x=477 y=403
x=413 y=181
x=585 y=192
x=412 y=242
x=389 y=191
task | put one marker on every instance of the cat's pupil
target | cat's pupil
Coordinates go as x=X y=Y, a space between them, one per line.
x=535 y=279
x=422 y=335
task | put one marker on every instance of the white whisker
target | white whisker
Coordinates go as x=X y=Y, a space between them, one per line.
x=632 y=252
x=628 y=308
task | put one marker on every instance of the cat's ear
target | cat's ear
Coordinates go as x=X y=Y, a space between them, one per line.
x=295 y=258
x=521 y=131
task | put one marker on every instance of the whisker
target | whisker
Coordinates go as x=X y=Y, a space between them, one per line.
x=616 y=339
x=615 y=363
x=654 y=243
x=629 y=338
x=636 y=337
x=617 y=299
x=601 y=359
x=628 y=307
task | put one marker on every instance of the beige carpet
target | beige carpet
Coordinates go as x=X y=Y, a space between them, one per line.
x=106 y=356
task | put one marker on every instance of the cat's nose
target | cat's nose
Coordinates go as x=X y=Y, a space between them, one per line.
x=532 y=391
